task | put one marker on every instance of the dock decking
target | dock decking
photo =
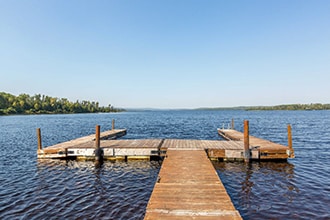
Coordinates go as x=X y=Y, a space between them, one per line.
x=231 y=149
x=266 y=149
x=188 y=187
x=61 y=150
x=234 y=148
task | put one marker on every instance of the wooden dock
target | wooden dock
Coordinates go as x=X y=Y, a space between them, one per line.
x=236 y=146
x=60 y=150
x=260 y=148
x=188 y=187
x=230 y=149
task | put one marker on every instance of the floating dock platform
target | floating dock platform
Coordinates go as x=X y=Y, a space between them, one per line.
x=232 y=148
x=259 y=148
x=64 y=150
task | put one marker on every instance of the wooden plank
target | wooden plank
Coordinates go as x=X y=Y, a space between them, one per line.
x=201 y=144
x=133 y=149
x=220 y=153
x=273 y=151
x=188 y=187
x=85 y=139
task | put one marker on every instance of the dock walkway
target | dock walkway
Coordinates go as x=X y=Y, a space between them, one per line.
x=188 y=187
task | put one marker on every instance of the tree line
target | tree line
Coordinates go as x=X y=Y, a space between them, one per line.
x=42 y=104
x=312 y=106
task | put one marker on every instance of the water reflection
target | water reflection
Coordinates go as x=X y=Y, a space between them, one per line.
x=247 y=184
x=259 y=189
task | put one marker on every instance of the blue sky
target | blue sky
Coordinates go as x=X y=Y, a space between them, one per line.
x=167 y=54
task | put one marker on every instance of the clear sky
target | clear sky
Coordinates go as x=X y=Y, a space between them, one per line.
x=167 y=53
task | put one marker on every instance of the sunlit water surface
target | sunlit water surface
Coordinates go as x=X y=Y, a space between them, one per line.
x=54 y=189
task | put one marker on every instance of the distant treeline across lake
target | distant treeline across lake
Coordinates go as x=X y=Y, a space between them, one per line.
x=312 y=106
x=42 y=104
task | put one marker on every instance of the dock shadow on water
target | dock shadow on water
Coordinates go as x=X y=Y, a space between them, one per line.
x=85 y=190
x=264 y=190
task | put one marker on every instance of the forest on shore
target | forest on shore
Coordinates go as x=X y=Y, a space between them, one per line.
x=43 y=104
x=289 y=107
x=312 y=106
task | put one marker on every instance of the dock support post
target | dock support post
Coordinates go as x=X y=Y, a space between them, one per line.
x=97 y=136
x=39 y=139
x=113 y=124
x=290 y=142
x=232 y=124
x=98 y=150
x=246 y=141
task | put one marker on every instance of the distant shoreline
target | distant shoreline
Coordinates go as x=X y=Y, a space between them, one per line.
x=289 y=107
x=25 y=104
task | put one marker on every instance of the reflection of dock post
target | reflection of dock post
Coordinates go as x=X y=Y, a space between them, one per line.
x=39 y=139
x=246 y=141
x=113 y=124
x=290 y=142
x=98 y=150
x=232 y=124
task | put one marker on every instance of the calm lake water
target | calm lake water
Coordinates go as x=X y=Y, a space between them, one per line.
x=53 y=189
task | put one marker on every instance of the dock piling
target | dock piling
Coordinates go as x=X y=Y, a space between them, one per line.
x=232 y=124
x=98 y=150
x=97 y=136
x=290 y=141
x=246 y=141
x=39 y=139
x=113 y=124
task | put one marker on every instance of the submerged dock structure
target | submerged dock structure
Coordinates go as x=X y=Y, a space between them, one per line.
x=188 y=186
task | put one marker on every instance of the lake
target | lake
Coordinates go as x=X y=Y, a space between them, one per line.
x=55 y=189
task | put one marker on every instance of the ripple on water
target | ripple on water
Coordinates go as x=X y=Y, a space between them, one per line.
x=31 y=189
x=268 y=190
x=80 y=190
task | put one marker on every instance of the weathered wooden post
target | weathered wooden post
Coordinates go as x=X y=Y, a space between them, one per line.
x=290 y=142
x=98 y=150
x=39 y=139
x=97 y=136
x=232 y=123
x=113 y=124
x=246 y=141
